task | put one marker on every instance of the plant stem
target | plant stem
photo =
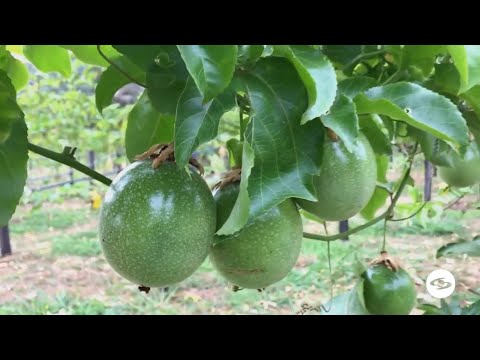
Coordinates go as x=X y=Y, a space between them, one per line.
x=386 y=215
x=364 y=56
x=384 y=243
x=242 y=126
x=118 y=68
x=69 y=160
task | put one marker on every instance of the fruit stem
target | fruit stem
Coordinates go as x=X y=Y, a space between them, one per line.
x=384 y=243
x=242 y=126
x=387 y=215
x=69 y=160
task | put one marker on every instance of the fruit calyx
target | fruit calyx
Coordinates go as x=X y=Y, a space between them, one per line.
x=161 y=153
x=233 y=176
x=386 y=260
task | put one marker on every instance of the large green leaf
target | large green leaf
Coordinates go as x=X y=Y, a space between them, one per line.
x=89 y=53
x=287 y=155
x=470 y=248
x=417 y=106
x=196 y=122
x=49 y=58
x=343 y=120
x=13 y=152
x=210 y=66
x=112 y=80
x=240 y=212
x=146 y=127
x=351 y=87
x=318 y=76
x=10 y=112
x=467 y=61
x=380 y=195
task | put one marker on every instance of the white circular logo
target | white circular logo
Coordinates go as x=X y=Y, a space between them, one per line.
x=440 y=283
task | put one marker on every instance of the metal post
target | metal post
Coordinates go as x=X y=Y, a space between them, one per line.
x=5 y=247
x=70 y=174
x=118 y=166
x=427 y=190
x=343 y=227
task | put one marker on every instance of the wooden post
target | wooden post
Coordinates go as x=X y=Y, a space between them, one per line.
x=5 y=247
x=343 y=227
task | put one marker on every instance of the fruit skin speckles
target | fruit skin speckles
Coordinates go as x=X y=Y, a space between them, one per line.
x=346 y=181
x=264 y=251
x=157 y=226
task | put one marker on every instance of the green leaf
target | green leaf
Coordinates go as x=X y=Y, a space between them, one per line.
x=418 y=107
x=380 y=195
x=240 y=212
x=421 y=57
x=438 y=152
x=343 y=120
x=10 y=112
x=89 y=54
x=249 y=54
x=343 y=55
x=145 y=56
x=112 y=80
x=470 y=248
x=472 y=97
x=446 y=79
x=235 y=152
x=146 y=127
x=49 y=58
x=376 y=133
x=287 y=155
x=473 y=309
x=467 y=61
x=210 y=66
x=13 y=152
x=195 y=122
x=348 y=303
x=15 y=69
x=351 y=87
x=317 y=74
x=166 y=73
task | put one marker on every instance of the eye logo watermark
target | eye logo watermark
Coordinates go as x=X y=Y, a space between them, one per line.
x=440 y=283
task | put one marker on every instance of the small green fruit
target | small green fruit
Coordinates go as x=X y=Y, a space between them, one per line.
x=346 y=181
x=157 y=225
x=388 y=292
x=464 y=172
x=264 y=251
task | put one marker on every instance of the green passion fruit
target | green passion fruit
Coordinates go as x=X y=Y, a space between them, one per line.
x=346 y=182
x=157 y=225
x=388 y=292
x=264 y=251
x=464 y=171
